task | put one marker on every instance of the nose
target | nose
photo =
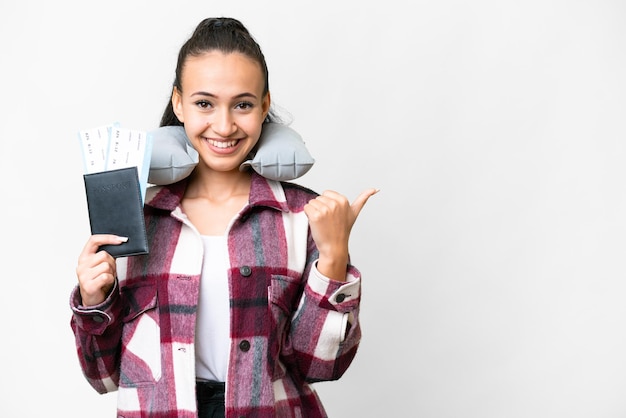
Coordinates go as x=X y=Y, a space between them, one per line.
x=223 y=123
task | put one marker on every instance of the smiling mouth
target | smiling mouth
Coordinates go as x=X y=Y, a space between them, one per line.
x=223 y=144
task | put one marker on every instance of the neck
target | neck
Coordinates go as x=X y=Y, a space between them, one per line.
x=217 y=185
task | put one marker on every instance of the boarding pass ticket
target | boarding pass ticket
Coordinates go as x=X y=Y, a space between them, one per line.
x=111 y=147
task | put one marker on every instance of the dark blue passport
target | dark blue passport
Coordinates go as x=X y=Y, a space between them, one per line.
x=115 y=207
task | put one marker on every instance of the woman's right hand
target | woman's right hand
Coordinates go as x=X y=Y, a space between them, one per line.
x=96 y=269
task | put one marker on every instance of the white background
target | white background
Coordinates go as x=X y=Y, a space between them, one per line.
x=493 y=257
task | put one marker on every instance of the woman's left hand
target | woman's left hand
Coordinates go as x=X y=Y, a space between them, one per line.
x=331 y=217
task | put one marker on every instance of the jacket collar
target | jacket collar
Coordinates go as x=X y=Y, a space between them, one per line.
x=263 y=192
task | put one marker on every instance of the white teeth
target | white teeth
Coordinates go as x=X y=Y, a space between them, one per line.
x=222 y=144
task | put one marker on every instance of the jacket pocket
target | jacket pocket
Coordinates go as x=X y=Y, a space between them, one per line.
x=285 y=292
x=284 y=295
x=141 y=341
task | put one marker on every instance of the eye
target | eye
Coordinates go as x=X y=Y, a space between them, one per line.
x=244 y=106
x=203 y=104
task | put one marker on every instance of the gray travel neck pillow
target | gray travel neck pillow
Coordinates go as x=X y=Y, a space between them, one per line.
x=280 y=154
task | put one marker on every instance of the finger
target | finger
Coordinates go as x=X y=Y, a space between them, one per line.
x=90 y=267
x=330 y=199
x=332 y=195
x=97 y=240
x=360 y=201
x=320 y=204
x=107 y=266
x=95 y=284
x=93 y=292
x=314 y=210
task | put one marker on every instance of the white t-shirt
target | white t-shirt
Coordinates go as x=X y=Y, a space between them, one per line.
x=213 y=319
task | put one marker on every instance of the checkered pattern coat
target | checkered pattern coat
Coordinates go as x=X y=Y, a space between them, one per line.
x=289 y=325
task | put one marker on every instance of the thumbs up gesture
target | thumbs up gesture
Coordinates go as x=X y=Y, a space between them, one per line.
x=331 y=218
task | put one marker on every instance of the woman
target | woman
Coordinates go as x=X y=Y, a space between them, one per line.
x=247 y=295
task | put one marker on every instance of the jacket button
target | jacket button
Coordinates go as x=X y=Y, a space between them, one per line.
x=245 y=271
x=340 y=297
x=98 y=319
x=244 y=345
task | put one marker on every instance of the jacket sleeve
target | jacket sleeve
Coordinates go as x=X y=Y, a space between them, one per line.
x=98 y=330
x=325 y=331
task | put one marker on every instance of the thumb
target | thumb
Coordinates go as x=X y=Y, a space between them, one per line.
x=361 y=199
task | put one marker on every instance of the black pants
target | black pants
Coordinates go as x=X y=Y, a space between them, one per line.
x=210 y=396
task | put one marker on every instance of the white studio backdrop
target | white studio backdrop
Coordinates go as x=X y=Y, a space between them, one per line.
x=493 y=257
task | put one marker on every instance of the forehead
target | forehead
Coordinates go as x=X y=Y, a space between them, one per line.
x=216 y=70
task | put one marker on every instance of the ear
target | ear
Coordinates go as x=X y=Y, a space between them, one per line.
x=265 y=105
x=177 y=105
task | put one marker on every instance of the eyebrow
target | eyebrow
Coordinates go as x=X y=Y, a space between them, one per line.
x=239 y=96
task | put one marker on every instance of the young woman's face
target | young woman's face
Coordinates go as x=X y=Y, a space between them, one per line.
x=222 y=107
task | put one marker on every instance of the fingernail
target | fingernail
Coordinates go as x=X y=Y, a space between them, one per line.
x=123 y=239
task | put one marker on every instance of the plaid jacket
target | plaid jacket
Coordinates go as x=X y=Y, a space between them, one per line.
x=289 y=326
